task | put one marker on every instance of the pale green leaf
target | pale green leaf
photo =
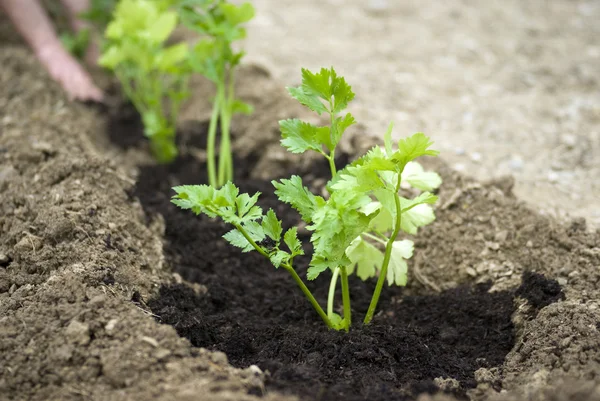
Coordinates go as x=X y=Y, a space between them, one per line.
x=415 y=176
x=418 y=216
x=424 y=198
x=412 y=147
x=171 y=56
x=112 y=57
x=365 y=258
x=162 y=28
x=397 y=272
x=388 y=140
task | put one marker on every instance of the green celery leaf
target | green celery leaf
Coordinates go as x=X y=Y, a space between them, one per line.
x=293 y=192
x=241 y=107
x=112 y=57
x=171 y=56
x=308 y=99
x=424 y=198
x=227 y=195
x=272 y=226
x=358 y=179
x=162 y=28
x=317 y=83
x=236 y=238
x=336 y=321
x=342 y=92
x=236 y=15
x=298 y=136
x=398 y=269
x=246 y=207
x=365 y=257
x=317 y=266
x=415 y=176
x=291 y=240
x=388 y=140
x=279 y=257
x=339 y=127
x=254 y=231
x=412 y=147
x=418 y=216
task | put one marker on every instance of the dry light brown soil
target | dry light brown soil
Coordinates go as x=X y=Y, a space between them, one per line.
x=86 y=268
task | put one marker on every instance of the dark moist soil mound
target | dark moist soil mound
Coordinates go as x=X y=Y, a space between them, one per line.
x=256 y=314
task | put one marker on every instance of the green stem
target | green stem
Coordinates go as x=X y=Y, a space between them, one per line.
x=387 y=256
x=212 y=135
x=308 y=295
x=331 y=295
x=224 y=152
x=374 y=238
x=346 y=297
x=295 y=275
x=331 y=156
x=331 y=159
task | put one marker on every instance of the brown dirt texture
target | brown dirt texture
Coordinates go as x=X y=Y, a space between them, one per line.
x=78 y=257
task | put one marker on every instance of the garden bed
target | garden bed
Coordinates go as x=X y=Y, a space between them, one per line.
x=90 y=307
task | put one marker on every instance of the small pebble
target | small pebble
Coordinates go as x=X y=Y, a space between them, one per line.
x=553 y=176
x=562 y=281
x=162 y=353
x=568 y=140
x=110 y=326
x=501 y=236
x=476 y=157
x=516 y=163
x=378 y=5
x=460 y=167
x=149 y=340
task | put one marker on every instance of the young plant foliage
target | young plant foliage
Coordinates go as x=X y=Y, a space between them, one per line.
x=219 y=24
x=355 y=228
x=154 y=75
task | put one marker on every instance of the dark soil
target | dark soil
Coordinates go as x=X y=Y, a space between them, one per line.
x=256 y=315
x=539 y=291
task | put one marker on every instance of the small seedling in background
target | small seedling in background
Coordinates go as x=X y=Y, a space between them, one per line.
x=154 y=76
x=99 y=14
x=219 y=25
x=76 y=43
x=363 y=206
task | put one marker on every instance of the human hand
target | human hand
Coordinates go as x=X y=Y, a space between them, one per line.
x=67 y=71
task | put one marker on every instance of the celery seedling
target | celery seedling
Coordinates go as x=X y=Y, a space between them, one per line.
x=364 y=202
x=154 y=76
x=219 y=24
